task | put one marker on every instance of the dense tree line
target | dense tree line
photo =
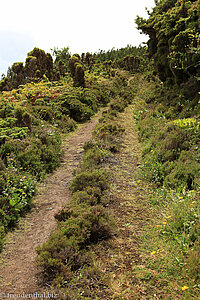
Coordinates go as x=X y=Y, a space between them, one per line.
x=40 y=65
x=117 y=54
x=174 y=35
x=37 y=65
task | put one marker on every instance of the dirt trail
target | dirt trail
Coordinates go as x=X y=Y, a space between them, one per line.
x=131 y=215
x=18 y=269
x=123 y=258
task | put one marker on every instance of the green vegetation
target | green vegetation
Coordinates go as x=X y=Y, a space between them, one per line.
x=170 y=161
x=67 y=258
x=33 y=119
x=173 y=28
x=42 y=100
x=167 y=115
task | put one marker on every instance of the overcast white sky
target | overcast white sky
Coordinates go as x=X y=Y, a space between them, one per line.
x=81 y=25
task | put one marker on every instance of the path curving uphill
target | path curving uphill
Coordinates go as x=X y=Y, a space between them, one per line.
x=18 y=269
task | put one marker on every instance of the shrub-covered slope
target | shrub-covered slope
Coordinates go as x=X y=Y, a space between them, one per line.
x=33 y=119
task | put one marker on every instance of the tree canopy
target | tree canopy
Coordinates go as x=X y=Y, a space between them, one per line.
x=174 y=34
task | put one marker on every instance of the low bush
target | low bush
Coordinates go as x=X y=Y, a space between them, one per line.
x=109 y=134
x=78 y=111
x=94 y=158
x=16 y=192
x=65 y=252
x=89 y=179
x=90 y=197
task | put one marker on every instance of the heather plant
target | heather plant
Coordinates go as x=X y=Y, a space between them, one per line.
x=72 y=65
x=38 y=63
x=66 y=253
x=77 y=71
x=87 y=179
x=62 y=58
x=18 y=74
x=76 y=109
x=79 y=79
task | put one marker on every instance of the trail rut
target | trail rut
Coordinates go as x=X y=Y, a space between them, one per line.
x=18 y=268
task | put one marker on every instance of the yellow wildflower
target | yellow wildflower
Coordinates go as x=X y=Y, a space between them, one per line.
x=164 y=223
x=154 y=252
x=184 y=288
x=168 y=217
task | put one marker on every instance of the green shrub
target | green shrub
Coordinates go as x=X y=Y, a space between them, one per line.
x=118 y=105
x=79 y=79
x=89 y=98
x=2 y=234
x=92 y=178
x=66 y=124
x=65 y=252
x=45 y=113
x=184 y=174
x=72 y=65
x=94 y=157
x=169 y=143
x=17 y=191
x=109 y=135
x=102 y=94
x=77 y=71
x=77 y=110
x=90 y=197
x=40 y=156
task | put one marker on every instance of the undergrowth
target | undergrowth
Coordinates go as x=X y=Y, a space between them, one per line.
x=33 y=121
x=169 y=132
